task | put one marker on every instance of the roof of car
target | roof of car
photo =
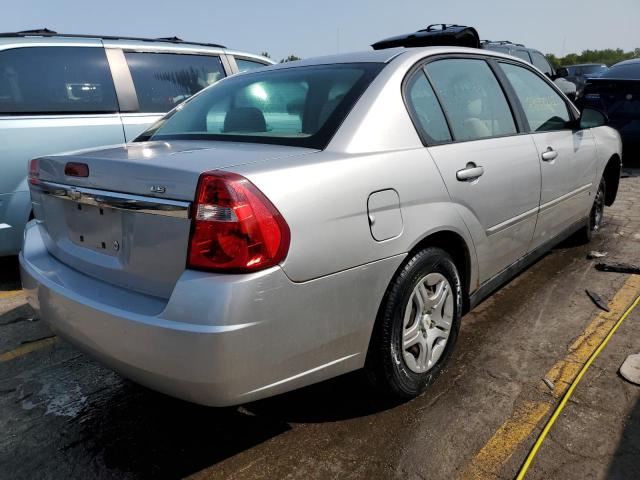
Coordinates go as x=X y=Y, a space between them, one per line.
x=583 y=65
x=628 y=62
x=46 y=33
x=386 y=55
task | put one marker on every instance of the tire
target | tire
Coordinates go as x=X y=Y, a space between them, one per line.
x=399 y=362
x=596 y=215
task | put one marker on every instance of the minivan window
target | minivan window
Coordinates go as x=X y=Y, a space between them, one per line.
x=163 y=80
x=543 y=106
x=522 y=54
x=41 y=80
x=425 y=110
x=245 y=65
x=472 y=97
x=298 y=106
x=541 y=63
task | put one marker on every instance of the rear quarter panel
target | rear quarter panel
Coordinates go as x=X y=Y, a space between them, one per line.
x=324 y=201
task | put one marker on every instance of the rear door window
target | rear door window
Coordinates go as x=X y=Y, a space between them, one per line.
x=425 y=110
x=543 y=106
x=472 y=97
x=41 y=80
x=245 y=65
x=163 y=80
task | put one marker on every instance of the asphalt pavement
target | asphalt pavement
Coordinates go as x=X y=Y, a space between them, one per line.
x=62 y=415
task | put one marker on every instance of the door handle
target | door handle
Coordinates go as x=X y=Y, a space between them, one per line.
x=471 y=172
x=549 y=155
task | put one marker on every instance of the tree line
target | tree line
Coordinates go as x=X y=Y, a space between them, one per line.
x=290 y=58
x=607 y=56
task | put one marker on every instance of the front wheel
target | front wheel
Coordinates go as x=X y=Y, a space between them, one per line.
x=417 y=326
x=596 y=215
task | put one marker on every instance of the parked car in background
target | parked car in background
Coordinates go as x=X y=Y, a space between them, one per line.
x=617 y=93
x=294 y=223
x=67 y=92
x=578 y=74
x=535 y=58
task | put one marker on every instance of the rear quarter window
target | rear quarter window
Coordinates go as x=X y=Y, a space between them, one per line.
x=245 y=65
x=42 y=80
x=541 y=63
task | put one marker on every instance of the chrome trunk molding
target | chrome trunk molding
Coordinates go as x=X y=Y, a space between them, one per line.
x=119 y=201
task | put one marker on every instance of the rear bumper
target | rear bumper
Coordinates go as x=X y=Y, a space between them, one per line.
x=219 y=339
x=14 y=213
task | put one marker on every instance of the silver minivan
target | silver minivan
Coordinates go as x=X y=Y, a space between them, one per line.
x=69 y=92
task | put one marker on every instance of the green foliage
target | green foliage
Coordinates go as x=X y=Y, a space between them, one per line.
x=607 y=56
x=290 y=58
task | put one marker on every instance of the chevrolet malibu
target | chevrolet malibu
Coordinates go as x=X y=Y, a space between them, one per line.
x=291 y=224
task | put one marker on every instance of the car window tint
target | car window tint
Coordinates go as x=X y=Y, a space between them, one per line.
x=543 y=106
x=56 y=80
x=245 y=65
x=522 y=54
x=163 y=80
x=425 y=110
x=472 y=98
x=541 y=63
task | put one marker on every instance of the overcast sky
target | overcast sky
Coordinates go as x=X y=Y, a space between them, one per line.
x=320 y=27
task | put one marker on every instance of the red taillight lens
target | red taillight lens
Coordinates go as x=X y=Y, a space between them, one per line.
x=235 y=227
x=73 y=169
x=34 y=171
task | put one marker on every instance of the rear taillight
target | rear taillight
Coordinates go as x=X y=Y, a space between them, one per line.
x=235 y=228
x=34 y=171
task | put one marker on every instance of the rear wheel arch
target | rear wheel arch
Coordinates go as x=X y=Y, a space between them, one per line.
x=456 y=246
x=453 y=244
x=611 y=177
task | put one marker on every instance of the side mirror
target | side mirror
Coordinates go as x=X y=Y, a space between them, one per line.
x=591 y=118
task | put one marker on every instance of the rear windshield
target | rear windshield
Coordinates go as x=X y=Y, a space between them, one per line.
x=298 y=106
x=624 y=71
x=593 y=69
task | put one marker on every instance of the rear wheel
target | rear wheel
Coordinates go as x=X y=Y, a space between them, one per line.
x=596 y=215
x=417 y=326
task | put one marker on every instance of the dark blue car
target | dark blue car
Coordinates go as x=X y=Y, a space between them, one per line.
x=617 y=93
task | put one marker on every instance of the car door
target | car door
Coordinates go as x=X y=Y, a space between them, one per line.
x=491 y=172
x=154 y=82
x=567 y=156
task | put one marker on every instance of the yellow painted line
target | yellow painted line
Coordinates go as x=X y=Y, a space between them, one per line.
x=564 y=371
x=574 y=384
x=11 y=293
x=27 y=348
x=488 y=462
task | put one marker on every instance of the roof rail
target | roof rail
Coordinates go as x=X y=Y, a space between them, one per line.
x=45 y=32
x=502 y=42
x=437 y=34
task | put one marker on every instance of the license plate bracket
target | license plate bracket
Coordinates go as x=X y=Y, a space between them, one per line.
x=94 y=227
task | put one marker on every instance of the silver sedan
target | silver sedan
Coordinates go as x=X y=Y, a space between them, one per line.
x=313 y=218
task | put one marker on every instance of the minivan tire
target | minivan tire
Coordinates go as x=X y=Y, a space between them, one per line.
x=401 y=372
